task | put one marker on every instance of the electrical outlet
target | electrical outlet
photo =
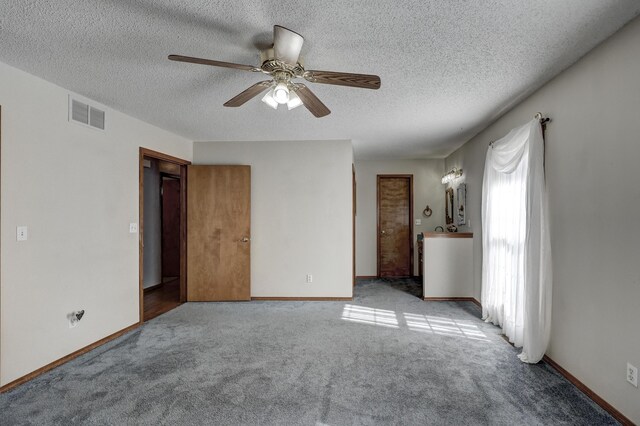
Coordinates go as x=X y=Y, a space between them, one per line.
x=74 y=318
x=309 y=278
x=133 y=228
x=632 y=375
x=22 y=233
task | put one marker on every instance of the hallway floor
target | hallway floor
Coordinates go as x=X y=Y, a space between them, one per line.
x=162 y=299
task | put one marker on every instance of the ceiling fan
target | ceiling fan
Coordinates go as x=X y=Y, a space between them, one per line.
x=283 y=63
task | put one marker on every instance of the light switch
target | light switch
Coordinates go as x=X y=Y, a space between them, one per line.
x=22 y=233
x=418 y=221
x=133 y=228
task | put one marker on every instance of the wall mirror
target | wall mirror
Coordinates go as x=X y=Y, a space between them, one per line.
x=462 y=204
x=449 y=205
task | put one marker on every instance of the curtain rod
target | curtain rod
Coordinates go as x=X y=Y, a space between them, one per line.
x=541 y=118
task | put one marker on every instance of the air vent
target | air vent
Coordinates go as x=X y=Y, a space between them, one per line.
x=88 y=115
x=80 y=112
x=96 y=118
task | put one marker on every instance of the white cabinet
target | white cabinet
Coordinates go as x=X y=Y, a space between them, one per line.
x=448 y=265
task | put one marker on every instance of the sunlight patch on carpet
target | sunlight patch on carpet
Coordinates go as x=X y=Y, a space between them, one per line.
x=444 y=326
x=414 y=322
x=365 y=315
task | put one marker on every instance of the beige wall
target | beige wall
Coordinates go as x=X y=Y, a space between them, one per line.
x=593 y=149
x=301 y=218
x=76 y=189
x=427 y=189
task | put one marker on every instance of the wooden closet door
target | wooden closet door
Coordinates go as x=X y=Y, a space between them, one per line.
x=395 y=248
x=218 y=233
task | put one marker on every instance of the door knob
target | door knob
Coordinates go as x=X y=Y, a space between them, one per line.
x=245 y=239
x=383 y=232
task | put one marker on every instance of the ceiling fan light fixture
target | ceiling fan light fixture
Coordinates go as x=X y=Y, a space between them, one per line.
x=281 y=93
x=294 y=100
x=270 y=100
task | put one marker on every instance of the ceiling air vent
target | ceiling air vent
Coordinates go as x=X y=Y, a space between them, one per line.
x=83 y=113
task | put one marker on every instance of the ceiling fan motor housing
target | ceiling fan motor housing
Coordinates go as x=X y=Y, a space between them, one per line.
x=271 y=65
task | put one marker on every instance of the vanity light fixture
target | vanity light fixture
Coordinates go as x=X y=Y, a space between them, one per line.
x=451 y=175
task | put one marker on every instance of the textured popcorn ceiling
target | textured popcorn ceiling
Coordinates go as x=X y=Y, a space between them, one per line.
x=448 y=68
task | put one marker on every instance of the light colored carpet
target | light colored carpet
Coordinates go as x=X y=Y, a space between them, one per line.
x=385 y=358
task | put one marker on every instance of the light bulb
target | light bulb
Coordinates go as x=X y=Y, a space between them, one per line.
x=294 y=101
x=281 y=93
x=269 y=100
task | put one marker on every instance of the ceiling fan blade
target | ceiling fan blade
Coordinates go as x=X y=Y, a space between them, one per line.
x=286 y=44
x=311 y=101
x=248 y=94
x=189 y=59
x=365 y=81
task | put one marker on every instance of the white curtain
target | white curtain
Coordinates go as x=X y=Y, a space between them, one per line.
x=516 y=265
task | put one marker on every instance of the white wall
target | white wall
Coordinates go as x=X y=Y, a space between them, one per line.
x=592 y=155
x=76 y=189
x=152 y=252
x=427 y=189
x=301 y=218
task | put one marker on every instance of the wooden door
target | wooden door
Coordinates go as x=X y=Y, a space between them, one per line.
x=170 y=227
x=218 y=233
x=395 y=215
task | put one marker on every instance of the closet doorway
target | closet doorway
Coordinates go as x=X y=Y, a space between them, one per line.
x=395 y=217
x=162 y=233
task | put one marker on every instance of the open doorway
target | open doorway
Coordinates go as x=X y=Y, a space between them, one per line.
x=162 y=233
